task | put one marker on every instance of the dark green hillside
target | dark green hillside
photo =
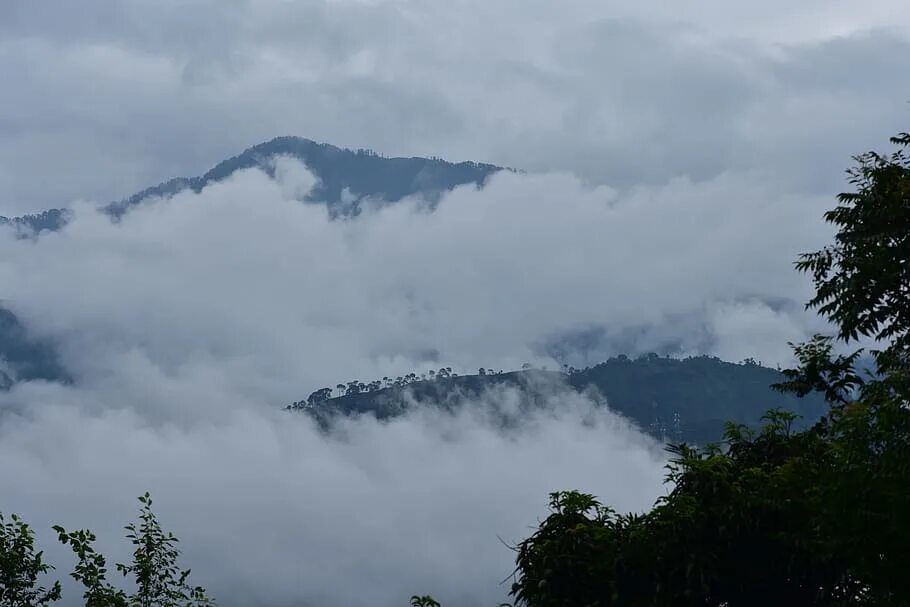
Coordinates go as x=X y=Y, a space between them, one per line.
x=704 y=392
x=672 y=399
x=389 y=397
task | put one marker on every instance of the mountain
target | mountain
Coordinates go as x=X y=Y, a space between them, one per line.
x=52 y=219
x=672 y=399
x=22 y=357
x=689 y=399
x=346 y=177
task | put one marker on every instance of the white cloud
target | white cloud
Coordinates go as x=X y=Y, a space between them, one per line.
x=271 y=512
x=720 y=132
x=244 y=274
x=191 y=321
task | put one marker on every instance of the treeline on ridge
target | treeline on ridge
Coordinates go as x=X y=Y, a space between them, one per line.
x=687 y=399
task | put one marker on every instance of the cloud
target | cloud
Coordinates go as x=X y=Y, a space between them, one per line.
x=244 y=274
x=271 y=512
x=124 y=96
x=681 y=162
x=189 y=323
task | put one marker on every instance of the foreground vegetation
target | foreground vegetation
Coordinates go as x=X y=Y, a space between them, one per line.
x=780 y=516
x=813 y=517
x=157 y=579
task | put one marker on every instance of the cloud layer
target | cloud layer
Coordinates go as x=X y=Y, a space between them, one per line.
x=190 y=322
x=680 y=160
x=272 y=513
x=244 y=274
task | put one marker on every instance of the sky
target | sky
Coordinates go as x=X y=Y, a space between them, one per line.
x=678 y=158
x=104 y=98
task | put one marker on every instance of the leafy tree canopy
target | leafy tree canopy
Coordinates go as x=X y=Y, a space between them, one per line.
x=22 y=566
x=813 y=517
x=159 y=582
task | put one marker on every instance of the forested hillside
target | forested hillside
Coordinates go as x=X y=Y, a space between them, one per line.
x=673 y=399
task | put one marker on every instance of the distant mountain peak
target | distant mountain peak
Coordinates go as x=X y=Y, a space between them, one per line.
x=363 y=173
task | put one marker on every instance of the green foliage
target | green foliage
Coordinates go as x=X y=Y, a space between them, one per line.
x=819 y=516
x=424 y=601
x=21 y=567
x=159 y=580
x=428 y=601
x=820 y=371
x=795 y=518
x=863 y=280
x=91 y=570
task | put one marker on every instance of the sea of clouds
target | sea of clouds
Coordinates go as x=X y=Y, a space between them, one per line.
x=700 y=144
x=188 y=324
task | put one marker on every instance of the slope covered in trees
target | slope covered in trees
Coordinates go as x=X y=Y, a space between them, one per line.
x=675 y=399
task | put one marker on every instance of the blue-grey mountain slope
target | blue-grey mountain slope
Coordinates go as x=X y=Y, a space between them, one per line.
x=346 y=177
x=23 y=357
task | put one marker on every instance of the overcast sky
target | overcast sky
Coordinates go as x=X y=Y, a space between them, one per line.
x=680 y=156
x=101 y=98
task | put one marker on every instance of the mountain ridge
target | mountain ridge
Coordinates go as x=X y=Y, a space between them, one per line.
x=362 y=173
x=681 y=399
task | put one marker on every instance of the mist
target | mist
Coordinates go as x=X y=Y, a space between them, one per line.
x=272 y=512
x=187 y=325
x=245 y=276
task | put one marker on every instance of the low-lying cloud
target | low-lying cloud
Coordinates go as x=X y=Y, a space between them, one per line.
x=244 y=275
x=271 y=512
x=190 y=322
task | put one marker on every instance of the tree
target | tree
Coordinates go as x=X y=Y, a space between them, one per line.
x=814 y=517
x=765 y=522
x=91 y=570
x=862 y=281
x=159 y=581
x=21 y=567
